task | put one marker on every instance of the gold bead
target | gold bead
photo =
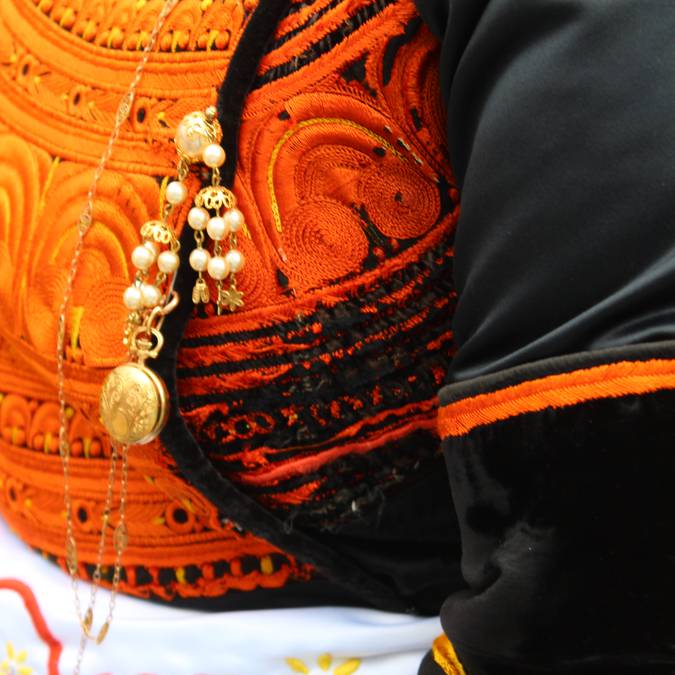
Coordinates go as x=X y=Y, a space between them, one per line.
x=88 y=620
x=194 y=133
x=120 y=538
x=71 y=555
x=103 y=632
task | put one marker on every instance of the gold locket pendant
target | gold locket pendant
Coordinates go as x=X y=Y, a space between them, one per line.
x=134 y=401
x=134 y=404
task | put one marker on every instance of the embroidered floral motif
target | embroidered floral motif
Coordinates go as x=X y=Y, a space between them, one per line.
x=348 y=289
x=15 y=662
x=324 y=662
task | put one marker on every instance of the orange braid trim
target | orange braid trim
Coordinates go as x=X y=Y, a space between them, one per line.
x=445 y=656
x=557 y=391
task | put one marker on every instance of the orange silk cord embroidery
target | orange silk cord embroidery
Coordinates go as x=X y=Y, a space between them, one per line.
x=63 y=67
x=61 y=83
x=171 y=525
x=557 y=391
x=445 y=657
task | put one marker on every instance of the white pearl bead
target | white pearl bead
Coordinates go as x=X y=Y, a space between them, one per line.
x=132 y=298
x=213 y=155
x=168 y=262
x=199 y=259
x=234 y=219
x=152 y=296
x=234 y=259
x=218 y=267
x=142 y=257
x=152 y=246
x=197 y=218
x=192 y=136
x=176 y=192
x=216 y=228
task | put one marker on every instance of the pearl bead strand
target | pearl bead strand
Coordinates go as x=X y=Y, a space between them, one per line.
x=155 y=260
x=214 y=157
x=213 y=215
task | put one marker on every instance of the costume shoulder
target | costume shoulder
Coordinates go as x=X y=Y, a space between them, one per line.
x=555 y=414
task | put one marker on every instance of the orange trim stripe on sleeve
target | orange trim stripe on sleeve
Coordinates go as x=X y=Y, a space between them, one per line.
x=445 y=656
x=557 y=391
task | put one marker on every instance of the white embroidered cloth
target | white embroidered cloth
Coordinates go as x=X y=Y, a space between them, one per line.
x=39 y=633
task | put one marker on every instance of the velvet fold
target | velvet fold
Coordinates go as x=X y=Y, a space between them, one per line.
x=562 y=139
x=561 y=475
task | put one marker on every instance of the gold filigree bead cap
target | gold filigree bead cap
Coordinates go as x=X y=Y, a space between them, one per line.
x=195 y=132
x=134 y=404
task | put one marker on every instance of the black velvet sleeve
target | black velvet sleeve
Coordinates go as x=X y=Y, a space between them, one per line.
x=561 y=128
x=557 y=415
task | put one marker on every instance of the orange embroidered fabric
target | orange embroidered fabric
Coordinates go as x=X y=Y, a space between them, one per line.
x=557 y=391
x=344 y=182
x=61 y=89
x=179 y=544
x=351 y=208
x=57 y=98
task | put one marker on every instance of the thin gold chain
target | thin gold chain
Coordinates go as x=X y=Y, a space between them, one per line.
x=119 y=536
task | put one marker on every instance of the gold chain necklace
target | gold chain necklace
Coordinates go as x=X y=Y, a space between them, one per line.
x=120 y=532
x=134 y=404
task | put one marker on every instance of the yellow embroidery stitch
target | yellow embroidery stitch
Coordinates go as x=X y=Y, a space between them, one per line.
x=12 y=665
x=348 y=667
x=324 y=661
x=297 y=666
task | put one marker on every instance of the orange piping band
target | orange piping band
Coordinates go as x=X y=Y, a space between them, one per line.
x=557 y=391
x=445 y=656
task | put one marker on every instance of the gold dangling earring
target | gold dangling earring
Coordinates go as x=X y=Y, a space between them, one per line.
x=198 y=135
x=134 y=402
x=234 y=259
x=214 y=212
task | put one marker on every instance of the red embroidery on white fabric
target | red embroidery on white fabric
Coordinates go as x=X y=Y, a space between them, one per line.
x=31 y=604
